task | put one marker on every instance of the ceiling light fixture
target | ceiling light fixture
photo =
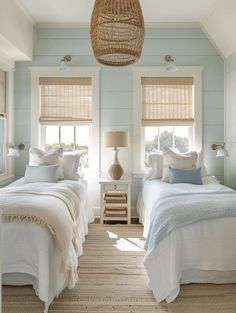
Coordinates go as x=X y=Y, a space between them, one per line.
x=64 y=62
x=171 y=67
x=117 y=31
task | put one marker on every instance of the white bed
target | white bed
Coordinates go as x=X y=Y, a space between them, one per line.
x=31 y=254
x=204 y=251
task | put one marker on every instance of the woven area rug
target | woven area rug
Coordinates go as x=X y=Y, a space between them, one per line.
x=205 y=298
x=112 y=279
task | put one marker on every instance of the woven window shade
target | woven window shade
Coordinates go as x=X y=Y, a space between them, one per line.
x=167 y=101
x=65 y=100
x=2 y=93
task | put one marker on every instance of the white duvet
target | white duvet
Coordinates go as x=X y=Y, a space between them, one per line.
x=32 y=255
x=201 y=252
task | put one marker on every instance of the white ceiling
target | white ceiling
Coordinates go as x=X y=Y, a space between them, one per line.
x=216 y=17
x=79 y=11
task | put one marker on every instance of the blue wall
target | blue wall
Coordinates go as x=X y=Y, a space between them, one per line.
x=190 y=47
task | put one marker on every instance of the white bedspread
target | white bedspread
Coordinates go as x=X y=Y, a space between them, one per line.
x=32 y=249
x=188 y=252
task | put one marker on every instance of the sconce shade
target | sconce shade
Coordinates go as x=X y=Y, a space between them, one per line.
x=222 y=153
x=64 y=62
x=12 y=152
x=171 y=67
x=117 y=31
x=114 y=139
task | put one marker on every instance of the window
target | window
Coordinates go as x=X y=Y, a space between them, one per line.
x=79 y=109
x=167 y=111
x=160 y=138
x=2 y=122
x=2 y=145
x=66 y=113
x=70 y=138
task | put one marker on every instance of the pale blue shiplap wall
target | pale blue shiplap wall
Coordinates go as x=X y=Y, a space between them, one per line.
x=189 y=47
x=230 y=118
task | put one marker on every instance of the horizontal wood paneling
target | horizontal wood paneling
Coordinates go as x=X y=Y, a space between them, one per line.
x=189 y=47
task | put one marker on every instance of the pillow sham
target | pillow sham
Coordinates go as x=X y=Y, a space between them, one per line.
x=43 y=173
x=181 y=161
x=200 y=163
x=155 y=162
x=192 y=176
x=71 y=164
x=39 y=157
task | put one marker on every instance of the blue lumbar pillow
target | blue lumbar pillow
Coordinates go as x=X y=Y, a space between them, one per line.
x=192 y=176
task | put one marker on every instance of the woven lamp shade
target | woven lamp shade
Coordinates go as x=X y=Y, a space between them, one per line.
x=117 y=31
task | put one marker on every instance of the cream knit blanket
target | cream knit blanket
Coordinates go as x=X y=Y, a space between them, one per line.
x=55 y=206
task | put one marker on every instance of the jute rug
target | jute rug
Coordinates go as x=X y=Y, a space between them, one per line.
x=113 y=279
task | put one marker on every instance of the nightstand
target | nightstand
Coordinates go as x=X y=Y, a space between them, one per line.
x=115 y=200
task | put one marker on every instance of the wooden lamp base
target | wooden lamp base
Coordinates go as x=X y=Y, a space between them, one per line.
x=115 y=171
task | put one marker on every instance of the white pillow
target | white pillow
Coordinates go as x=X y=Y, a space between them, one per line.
x=70 y=165
x=43 y=173
x=200 y=163
x=181 y=161
x=155 y=162
x=38 y=157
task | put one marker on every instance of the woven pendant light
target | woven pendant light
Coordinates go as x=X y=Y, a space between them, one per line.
x=117 y=31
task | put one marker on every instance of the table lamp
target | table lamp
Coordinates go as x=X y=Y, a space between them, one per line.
x=115 y=139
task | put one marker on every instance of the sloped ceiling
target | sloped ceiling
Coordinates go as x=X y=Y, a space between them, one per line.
x=216 y=17
x=79 y=11
x=220 y=26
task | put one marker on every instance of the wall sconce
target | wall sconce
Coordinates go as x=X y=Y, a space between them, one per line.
x=14 y=150
x=221 y=151
x=64 y=62
x=171 y=67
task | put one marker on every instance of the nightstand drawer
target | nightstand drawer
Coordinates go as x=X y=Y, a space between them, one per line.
x=115 y=200
x=118 y=187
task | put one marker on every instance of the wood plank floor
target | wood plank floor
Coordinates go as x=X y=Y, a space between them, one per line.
x=112 y=279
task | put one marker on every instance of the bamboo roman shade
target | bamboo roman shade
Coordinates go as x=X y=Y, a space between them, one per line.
x=2 y=93
x=65 y=100
x=167 y=101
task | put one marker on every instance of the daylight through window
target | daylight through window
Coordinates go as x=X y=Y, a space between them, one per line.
x=66 y=113
x=167 y=113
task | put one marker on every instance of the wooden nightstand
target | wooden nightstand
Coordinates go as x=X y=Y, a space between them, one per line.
x=115 y=200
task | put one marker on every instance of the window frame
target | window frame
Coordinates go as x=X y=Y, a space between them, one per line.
x=190 y=134
x=8 y=175
x=43 y=134
x=139 y=130
x=37 y=129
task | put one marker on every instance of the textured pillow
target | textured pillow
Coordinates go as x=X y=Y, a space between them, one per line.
x=43 y=173
x=38 y=157
x=172 y=159
x=70 y=165
x=200 y=163
x=155 y=162
x=185 y=176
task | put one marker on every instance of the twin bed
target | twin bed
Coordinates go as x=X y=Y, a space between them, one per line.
x=190 y=234
x=44 y=257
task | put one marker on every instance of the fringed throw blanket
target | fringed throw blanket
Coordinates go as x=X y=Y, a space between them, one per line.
x=54 y=206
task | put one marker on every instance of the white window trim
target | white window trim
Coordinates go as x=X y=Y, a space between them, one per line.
x=9 y=161
x=138 y=130
x=36 y=133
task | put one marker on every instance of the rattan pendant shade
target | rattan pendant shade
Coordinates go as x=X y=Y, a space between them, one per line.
x=117 y=31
